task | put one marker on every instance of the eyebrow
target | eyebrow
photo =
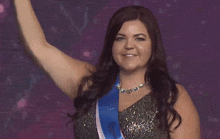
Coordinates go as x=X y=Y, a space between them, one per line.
x=134 y=35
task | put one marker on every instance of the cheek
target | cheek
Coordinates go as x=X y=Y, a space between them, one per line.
x=146 y=54
x=149 y=51
x=115 y=49
x=114 y=53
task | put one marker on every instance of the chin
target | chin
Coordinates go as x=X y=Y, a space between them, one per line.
x=129 y=68
x=132 y=68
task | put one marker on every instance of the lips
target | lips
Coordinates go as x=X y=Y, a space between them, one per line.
x=129 y=55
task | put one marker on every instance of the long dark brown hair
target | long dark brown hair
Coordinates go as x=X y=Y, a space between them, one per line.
x=163 y=87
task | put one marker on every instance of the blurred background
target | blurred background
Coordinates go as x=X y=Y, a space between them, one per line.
x=31 y=106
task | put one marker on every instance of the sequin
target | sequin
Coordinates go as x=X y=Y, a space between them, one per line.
x=136 y=122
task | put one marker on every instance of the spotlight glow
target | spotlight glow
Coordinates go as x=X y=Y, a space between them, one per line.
x=86 y=54
x=2 y=8
x=21 y=103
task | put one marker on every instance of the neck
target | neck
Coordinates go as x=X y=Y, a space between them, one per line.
x=130 y=79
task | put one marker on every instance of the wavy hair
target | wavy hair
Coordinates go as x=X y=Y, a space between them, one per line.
x=163 y=87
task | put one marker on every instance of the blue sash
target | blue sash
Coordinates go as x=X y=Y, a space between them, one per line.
x=107 y=115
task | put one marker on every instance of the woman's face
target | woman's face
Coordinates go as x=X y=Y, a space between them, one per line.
x=132 y=47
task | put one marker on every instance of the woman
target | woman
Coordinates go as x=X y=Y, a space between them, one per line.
x=132 y=57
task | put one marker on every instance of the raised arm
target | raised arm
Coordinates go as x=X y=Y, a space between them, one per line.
x=65 y=71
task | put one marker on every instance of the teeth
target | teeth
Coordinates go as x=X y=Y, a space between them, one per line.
x=129 y=55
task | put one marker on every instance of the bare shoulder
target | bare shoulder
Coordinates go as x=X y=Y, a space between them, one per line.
x=190 y=126
x=184 y=101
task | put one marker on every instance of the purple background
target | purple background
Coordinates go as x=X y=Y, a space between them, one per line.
x=31 y=106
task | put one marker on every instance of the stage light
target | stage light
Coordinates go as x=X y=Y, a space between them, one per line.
x=2 y=8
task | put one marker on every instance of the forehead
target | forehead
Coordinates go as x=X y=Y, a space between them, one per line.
x=133 y=27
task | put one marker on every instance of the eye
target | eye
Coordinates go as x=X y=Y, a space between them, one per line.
x=140 y=39
x=119 y=38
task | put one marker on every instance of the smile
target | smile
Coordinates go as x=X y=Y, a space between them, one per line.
x=129 y=55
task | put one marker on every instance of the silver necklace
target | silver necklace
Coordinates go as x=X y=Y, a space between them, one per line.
x=128 y=91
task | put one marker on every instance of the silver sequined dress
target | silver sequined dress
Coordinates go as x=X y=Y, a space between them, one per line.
x=136 y=122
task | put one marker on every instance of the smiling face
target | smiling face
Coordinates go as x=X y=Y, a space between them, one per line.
x=132 y=47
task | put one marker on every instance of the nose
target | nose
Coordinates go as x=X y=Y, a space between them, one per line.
x=129 y=44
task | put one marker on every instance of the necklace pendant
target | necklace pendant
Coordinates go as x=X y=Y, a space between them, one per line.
x=135 y=89
x=141 y=85
x=118 y=87
x=129 y=91
x=122 y=91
